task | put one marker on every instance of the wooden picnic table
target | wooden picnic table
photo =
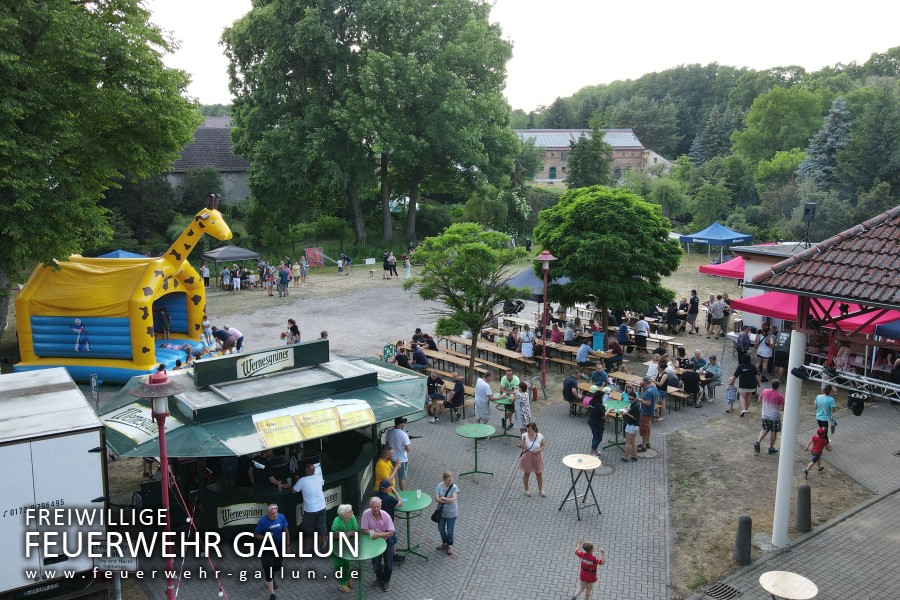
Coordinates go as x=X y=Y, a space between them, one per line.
x=453 y=360
x=491 y=348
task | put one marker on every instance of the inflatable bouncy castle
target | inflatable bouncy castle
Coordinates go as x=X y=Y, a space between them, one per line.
x=105 y=316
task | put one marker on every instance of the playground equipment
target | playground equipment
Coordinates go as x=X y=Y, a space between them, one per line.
x=102 y=315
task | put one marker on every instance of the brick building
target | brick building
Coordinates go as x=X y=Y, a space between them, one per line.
x=628 y=151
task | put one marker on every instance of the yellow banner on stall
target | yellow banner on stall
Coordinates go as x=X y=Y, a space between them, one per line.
x=293 y=424
x=355 y=414
x=278 y=430
x=317 y=419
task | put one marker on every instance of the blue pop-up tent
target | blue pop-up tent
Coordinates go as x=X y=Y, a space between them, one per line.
x=716 y=235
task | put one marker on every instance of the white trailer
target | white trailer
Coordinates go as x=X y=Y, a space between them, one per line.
x=52 y=452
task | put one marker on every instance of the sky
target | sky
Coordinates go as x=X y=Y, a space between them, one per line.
x=561 y=46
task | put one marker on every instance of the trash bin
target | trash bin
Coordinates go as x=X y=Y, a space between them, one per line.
x=598 y=340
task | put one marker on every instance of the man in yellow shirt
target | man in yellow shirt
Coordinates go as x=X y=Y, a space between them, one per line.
x=385 y=468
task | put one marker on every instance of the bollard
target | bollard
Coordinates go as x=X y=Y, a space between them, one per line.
x=741 y=554
x=802 y=520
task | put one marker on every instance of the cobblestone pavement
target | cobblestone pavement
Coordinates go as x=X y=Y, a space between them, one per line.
x=510 y=546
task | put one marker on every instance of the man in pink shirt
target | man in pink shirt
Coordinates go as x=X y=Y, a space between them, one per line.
x=772 y=404
x=377 y=523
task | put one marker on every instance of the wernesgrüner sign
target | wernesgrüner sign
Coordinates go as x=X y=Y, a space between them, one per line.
x=265 y=362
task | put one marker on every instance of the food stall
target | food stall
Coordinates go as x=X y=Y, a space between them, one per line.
x=300 y=402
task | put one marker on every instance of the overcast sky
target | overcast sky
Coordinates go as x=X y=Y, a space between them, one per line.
x=561 y=46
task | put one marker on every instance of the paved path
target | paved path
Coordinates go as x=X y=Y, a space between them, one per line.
x=510 y=546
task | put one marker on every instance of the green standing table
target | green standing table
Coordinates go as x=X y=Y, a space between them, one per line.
x=412 y=507
x=503 y=403
x=476 y=431
x=368 y=549
x=619 y=406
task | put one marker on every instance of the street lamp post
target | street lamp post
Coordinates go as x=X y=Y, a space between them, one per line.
x=158 y=388
x=546 y=258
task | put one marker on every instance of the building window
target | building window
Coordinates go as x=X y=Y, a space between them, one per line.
x=552 y=172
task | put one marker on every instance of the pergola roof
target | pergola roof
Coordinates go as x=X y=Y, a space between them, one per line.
x=860 y=265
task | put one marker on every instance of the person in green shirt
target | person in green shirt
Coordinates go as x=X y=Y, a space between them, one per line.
x=509 y=384
x=345 y=521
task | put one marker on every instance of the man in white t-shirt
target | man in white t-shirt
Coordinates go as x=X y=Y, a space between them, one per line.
x=310 y=486
x=641 y=331
x=483 y=398
x=398 y=439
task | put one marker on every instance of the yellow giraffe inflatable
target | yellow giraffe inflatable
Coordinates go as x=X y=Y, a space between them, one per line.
x=97 y=315
x=173 y=271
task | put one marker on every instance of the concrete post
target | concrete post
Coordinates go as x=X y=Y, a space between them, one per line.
x=741 y=553
x=788 y=442
x=803 y=515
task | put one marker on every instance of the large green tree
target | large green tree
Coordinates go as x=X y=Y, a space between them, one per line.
x=146 y=205
x=467 y=269
x=821 y=166
x=293 y=66
x=612 y=245
x=195 y=188
x=86 y=99
x=655 y=123
x=781 y=119
x=590 y=161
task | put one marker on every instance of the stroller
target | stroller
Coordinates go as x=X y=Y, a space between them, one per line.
x=513 y=307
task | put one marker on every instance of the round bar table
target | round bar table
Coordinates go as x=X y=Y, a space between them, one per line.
x=787 y=585
x=476 y=431
x=504 y=404
x=585 y=465
x=411 y=508
x=619 y=406
x=368 y=549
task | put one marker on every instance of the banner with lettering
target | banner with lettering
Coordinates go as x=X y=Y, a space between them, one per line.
x=135 y=421
x=312 y=420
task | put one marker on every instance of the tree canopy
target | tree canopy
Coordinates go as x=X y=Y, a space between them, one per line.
x=86 y=100
x=326 y=90
x=590 y=161
x=466 y=269
x=612 y=245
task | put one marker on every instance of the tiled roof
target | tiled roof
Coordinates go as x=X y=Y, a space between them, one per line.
x=860 y=265
x=560 y=138
x=211 y=146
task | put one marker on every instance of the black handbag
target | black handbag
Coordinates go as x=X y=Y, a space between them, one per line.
x=436 y=515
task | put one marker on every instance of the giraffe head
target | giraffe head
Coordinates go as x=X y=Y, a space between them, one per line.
x=211 y=222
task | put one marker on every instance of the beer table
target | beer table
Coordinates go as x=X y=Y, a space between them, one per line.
x=414 y=501
x=476 y=431
x=787 y=585
x=368 y=549
x=585 y=465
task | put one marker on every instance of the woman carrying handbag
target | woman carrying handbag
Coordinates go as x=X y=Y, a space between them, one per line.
x=532 y=458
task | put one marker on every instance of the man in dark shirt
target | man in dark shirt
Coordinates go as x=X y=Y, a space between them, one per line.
x=402 y=360
x=457 y=395
x=571 y=393
x=693 y=310
x=618 y=356
x=261 y=472
x=417 y=336
x=390 y=500
x=419 y=359
x=224 y=340
x=434 y=396
x=690 y=382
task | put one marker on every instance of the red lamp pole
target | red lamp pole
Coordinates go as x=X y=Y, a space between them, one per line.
x=546 y=258
x=157 y=389
x=163 y=408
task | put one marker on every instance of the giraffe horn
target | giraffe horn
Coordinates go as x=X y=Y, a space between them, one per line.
x=211 y=202
x=218 y=197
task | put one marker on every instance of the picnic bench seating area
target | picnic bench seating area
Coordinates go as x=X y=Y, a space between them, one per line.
x=468 y=399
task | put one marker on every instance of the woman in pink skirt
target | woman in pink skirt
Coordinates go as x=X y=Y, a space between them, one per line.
x=532 y=458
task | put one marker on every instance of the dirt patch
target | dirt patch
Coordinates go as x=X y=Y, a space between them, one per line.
x=715 y=476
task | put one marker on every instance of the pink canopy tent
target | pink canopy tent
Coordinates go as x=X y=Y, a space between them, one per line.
x=771 y=304
x=733 y=269
x=783 y=306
